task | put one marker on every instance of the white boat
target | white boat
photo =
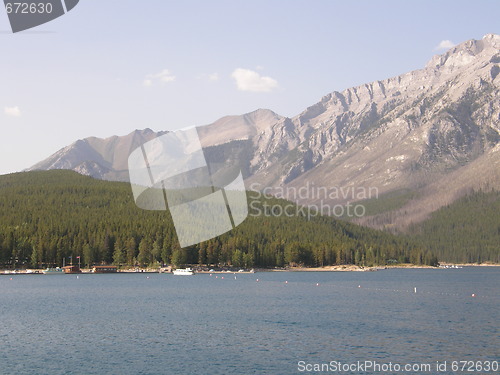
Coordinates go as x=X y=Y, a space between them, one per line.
x=53 y=271
x=450 y=266
x=183 y=272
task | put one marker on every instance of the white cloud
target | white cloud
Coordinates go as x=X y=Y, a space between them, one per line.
x=12 y=111
x=213 y=77
x=445 y=44
x=248 y=80
x=164 y=76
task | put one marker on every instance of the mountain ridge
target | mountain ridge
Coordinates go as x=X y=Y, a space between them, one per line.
x=435 y=131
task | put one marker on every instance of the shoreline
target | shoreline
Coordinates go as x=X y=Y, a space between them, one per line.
x=339 y=268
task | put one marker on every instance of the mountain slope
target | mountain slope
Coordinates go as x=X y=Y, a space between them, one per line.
x=467 y=231
x=434 y=131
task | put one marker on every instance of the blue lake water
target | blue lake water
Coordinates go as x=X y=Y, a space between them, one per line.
x=165 y=324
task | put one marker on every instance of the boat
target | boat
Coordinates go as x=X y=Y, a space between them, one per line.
x=104 y=269
x=71 y=269
x=53 y=271
x=183 y=272
x=11 y=272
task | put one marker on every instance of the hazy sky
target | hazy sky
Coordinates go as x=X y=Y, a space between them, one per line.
x=111 y=66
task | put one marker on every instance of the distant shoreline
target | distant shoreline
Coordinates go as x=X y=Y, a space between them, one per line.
x=344 y=268
x=353 y=268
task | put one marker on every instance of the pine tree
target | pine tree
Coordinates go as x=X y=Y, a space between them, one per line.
x=144 y=256
x=119 y=257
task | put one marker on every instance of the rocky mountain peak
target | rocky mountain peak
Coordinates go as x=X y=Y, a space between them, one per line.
x=467 y=53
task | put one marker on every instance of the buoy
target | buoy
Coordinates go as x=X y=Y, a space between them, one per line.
x=359 y=286
x=415 y=289
x=317 y=284
x=147 y=277
x=210 y=274
x=473 y=295
x=77 y=277
x=11 y=278
x=222 y=277
x=257 y=280
x=286 y=282
x=216 y=277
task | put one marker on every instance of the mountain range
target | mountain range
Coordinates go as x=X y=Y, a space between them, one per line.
x=421 y=140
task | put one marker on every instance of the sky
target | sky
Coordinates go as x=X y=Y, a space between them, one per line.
x=109 y=67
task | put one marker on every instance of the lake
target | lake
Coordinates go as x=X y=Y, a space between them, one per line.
x=284 y=323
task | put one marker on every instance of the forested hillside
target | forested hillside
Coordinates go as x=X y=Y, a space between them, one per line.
x=467 y=231
x=48 y=216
